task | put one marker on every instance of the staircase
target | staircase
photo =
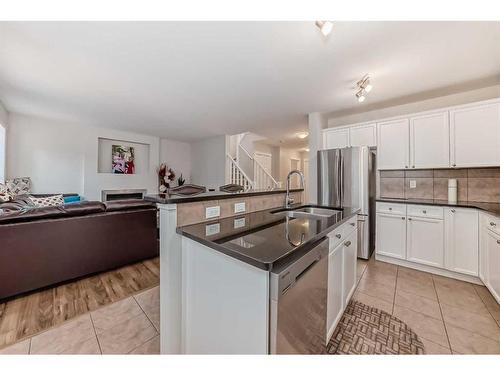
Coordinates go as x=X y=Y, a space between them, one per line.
x=255 y=177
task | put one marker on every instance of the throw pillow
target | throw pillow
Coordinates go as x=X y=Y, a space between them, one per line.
x=50 y=201
x=5 y=195
x=19 y=185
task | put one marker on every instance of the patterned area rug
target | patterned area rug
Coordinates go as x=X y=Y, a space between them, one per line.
x=366 y=330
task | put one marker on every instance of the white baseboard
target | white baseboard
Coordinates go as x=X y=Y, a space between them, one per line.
x=430 y=269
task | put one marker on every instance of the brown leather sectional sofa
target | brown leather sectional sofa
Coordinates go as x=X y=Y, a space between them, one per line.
x=44 y=246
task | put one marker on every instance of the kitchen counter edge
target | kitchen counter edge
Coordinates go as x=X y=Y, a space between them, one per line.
x=264 y=265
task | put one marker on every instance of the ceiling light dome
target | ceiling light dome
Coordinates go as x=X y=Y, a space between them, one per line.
x=302 y=135
x=325 y=27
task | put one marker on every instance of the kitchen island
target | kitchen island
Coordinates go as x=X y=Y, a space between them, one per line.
x=215 y=272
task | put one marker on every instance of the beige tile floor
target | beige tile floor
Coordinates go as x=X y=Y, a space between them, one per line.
x=129 y=326
x=450 y=316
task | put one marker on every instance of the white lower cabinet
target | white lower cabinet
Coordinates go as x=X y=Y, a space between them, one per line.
x=391 y=235
x=335 y=305
x=440 y=237
x=342 y=261
x=425 y=241
x=491 y=246
x=462 y=240
x=350 y=250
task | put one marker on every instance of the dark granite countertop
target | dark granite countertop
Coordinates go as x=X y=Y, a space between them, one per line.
x=492 y=208
x=264 y=239
x=210 y=195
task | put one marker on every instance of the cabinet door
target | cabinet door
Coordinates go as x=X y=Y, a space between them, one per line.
x=425 y=241
x=493 y=251
x=350 y=249
x=363 y=135
x=462 y=240
x=391 y=235
x=393 y=144
x=335 y=302
x=337 y=138
x=430 y=141
x=483 y=248
x=475 y=136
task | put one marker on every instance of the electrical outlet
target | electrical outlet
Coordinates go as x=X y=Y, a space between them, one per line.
x=239 y=223
x=211 y=212
x=212 y=229
x=239 y=207
x=413 y=184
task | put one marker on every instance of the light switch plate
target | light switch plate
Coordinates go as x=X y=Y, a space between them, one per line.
x=239 y=223
x=413 y=184
x=239 y=207
x=212 y=229
x=211 y=212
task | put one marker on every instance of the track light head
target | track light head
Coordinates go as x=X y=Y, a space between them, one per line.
x=325 y=27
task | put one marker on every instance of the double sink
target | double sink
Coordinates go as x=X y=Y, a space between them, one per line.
x=309 y=212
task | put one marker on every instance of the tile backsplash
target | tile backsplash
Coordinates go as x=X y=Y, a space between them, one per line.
x=474 y=184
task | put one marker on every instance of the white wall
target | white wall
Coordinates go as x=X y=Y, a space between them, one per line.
x=286 y=154
x=316 y=123
x=208 y=162
x=3 y=141
x=339 y=119
x=177 y=155
x=63 y=157
x=274 y=151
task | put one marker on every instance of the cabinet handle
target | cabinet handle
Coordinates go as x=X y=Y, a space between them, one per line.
x=409 y=219
x=498 y=242
x=390 y=208
x=454 y=165
x=453 y=211
x=338 y=235
x=413 y=166
x=403 y=218
x=406 y=166
x=348 y=243
x=493 y=224
x=424 y=211
x=353 y=224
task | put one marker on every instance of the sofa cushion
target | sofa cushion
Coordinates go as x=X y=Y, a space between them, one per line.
x=84 y=208
x=18 y=203
x=39 y=213
x=32 y=214
x=128 y=204
x=50 y=201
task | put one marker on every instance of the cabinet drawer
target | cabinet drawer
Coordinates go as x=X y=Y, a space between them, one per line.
x=490 y=222
x=425 y=211
x=339 y=234
x=391 y=208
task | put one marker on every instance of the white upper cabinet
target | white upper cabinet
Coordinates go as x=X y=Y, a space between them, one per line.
x=393 y=139
x=462 y=240
x=430 y=141
x=475 y=135
x=336 y=138
x=363 y=135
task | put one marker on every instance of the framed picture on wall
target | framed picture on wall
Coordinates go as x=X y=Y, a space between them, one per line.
x=123 y=159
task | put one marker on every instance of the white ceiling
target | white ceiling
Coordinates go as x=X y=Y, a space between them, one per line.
x=189 y=80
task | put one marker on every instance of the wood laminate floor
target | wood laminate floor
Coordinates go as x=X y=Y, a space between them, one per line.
x=29 y=315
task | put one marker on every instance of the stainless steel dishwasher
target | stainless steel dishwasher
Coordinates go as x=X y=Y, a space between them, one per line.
x=298 y=293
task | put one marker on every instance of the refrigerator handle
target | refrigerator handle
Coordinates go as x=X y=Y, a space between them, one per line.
x=340 y=185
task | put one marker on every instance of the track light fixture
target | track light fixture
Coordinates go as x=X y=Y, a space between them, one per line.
x=325 y=27
x=363 y=87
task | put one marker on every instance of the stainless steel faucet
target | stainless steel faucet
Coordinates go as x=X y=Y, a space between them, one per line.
x=289 y=200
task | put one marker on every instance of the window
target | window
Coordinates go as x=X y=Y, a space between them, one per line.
x=2 y=154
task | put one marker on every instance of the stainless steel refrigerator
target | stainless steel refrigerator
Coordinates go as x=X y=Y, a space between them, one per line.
x=347 y=177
